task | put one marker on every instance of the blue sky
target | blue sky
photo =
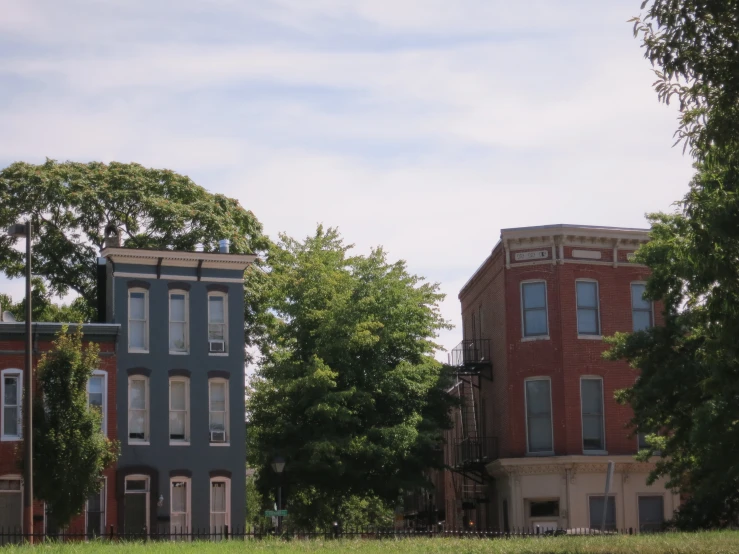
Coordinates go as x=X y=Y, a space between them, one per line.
x=424 y=126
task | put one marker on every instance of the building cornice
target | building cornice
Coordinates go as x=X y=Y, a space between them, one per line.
x=559 y=464
x=174 y=258
x=101 y=331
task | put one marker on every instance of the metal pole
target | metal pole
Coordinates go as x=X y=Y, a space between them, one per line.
x=609 y=478
x=279 y=507
x=28 y=404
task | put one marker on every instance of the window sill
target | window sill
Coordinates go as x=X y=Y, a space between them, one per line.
x=595 y=452
x=178 y=353
x=219 y=354
x=530 y=339
x=137 y=351
x=539 y=454
x=138 y=443
x=220 y=444
x=590 y=337
x=11 y=439
x=179 y=443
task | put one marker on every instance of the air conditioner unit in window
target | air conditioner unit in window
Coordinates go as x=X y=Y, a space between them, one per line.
x=218 y=436
x=217 y=345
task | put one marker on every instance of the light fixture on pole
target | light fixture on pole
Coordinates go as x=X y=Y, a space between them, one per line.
x=278 y=466
x=16 y=231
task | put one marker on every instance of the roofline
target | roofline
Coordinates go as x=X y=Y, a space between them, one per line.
x=108 y=330
x=232 y=261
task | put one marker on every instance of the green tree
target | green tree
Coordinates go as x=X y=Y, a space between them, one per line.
x=347 y=389
x=70 y=449
x=687 y=395
x=44 y=309
x=73 y=203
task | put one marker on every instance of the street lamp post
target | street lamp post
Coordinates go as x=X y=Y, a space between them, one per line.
x=15 y=231
x=278 y=465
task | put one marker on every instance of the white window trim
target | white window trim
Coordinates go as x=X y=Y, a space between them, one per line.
x=17 y=477
x=3 y=374
x=137 y=477
x=603 y=417
x=188 y=500
x=228 y=499
x=615 y=506
x=524 y=337
x=104 y=375
x=651 y=303
x=526 y=415
x=227 y=417
x=589 y=336
x=145 y=441
x=186 y=441
x=227 y=346
x=105 y=507
x=665 y=516
x=186 y=294
x=131 y=349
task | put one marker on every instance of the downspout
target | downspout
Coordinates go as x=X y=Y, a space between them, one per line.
x=568 y=476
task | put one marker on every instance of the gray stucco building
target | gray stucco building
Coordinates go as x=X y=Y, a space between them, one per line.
x=180 y=386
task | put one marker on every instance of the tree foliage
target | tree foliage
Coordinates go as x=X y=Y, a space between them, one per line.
x=43 y=308
x=347 y=390
x=687 y=396
x=70 y=449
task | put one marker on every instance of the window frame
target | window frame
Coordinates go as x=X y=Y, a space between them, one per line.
x=226 y=345
x=524 y=336
x=147 y=409
x=188 y=504
x=615 y=509
x=529 y=452
x=227 y=411
x=186 y=440
x=147 y=492
x=602 y=450
x=104 y=374
x=186 y=294
x=18 y=373
x=135 y=349
x=638 y=511
x=599 y=330
x=104 y=494
x=227 y=481
x=651 y=305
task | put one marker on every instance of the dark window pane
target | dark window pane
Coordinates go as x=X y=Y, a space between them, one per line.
x=596 y=512
x=546 y=508
x=534 y=295
x=651 y=513
x=587 y=294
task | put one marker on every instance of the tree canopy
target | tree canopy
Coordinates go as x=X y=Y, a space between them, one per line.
x=347 y=390
x=687 y=395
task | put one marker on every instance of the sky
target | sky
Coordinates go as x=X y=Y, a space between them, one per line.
x=424 y=126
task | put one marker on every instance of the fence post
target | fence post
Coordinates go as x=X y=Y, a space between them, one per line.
x=225 y=532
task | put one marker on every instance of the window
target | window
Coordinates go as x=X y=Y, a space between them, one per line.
x=95 y=513
x=179 y=410
x=539 y=416
x=642 y=441
x=591 y=398
x=534 y=307
x=588 y=318
x=96 y=397
x=220 y=502
x=596 y=512
x=12 y=395
x=178 y=328
x=641 y=308
x=218 y=408
x=138 y=409
x=217 y=323
x=651 y=513
x=136 y=505
x=179 y=521
x=544 y=508
x=138 y=320
x=11 y=507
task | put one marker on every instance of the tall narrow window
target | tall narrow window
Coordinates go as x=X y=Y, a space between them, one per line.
x=641 y=308
x=651 y=513
x=217 y=323
x=218 y=407
x=138 y=320
x=588 y=317
x=180 y=509
x=11 y=394
x=539 y=416
x=178 y=318
x=136 y=505
x=179 y=413
x=138 y=409
x=591 y=395
x=11 y=508
x=219 y=504
x=534 y=308
x=95 y=513
x=96 y=397
x=596 y=512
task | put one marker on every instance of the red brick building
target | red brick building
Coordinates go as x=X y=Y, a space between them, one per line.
x=538 y=422
x=100 y=510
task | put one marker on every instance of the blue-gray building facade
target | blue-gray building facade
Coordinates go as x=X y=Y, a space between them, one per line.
x=180 y=387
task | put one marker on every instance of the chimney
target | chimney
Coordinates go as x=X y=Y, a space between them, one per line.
x=102 y=283
x=112 y=236
x=223 y=245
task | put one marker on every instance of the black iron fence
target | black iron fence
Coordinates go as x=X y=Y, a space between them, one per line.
x=16 y=536
x=471 y=354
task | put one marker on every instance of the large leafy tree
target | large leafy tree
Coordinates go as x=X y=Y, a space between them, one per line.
x=687 y=395
x=70 y=449
x=72 y=204
x=347 y=389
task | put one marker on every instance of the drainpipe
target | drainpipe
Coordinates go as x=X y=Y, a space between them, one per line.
x=568 y=476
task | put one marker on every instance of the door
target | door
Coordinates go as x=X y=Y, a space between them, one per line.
x=96 y=514
x=11 y=509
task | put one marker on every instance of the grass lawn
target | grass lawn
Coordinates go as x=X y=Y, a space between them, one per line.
x=713 y=543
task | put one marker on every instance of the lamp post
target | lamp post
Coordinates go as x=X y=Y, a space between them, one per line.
x=16 y=231
x=278 y=465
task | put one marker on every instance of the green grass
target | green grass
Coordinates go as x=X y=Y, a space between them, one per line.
x=718 y=542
